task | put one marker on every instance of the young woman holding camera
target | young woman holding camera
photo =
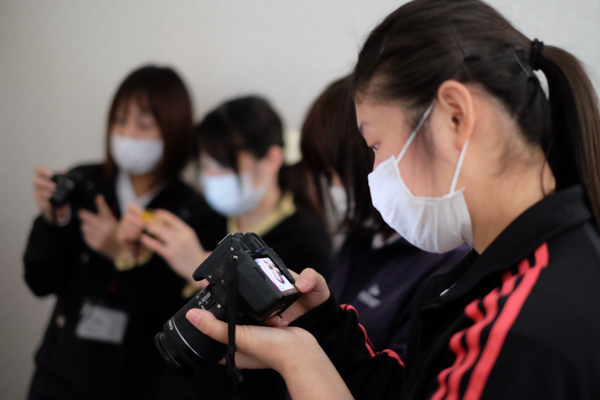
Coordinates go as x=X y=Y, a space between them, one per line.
x=468 y=148
x=112 y=299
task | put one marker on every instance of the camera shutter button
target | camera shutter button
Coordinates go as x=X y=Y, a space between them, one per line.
x=85 y=258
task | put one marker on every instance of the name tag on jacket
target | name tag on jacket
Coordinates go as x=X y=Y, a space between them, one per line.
x=101 y=323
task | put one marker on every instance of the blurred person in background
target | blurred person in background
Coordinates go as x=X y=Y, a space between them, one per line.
x=112 y=299
x=241 y=173
x=469 y=148
x=376 y=271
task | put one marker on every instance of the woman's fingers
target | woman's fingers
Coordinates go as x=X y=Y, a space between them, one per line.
x=308 y=280
x=132 y=221
x=103 y=208
x=44 y=171
x=43 y=189
x=170 y=218
x=87 y=216
x=315 y=292
x=155 y=246
x=129 y=229
x=42 y=183
x=135 y=210
x=206 y=323
x=257 y=346
x=160 y=231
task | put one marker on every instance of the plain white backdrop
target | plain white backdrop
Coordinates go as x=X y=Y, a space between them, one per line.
x=61 y=61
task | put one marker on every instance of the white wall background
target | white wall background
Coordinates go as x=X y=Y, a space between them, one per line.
x=61 y=61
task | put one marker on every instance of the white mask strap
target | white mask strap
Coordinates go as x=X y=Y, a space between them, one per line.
x=414 y=133
x=460 y=161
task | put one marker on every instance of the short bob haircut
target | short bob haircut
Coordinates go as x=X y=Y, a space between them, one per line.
x=162 y=93
x=248 y=124
x=244 y=124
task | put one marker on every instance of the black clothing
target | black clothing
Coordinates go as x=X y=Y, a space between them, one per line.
x=57 y=261
x=381 y=284
x=301 y=241
x=519 y=321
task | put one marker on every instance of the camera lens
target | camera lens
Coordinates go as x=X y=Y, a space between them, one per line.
x=183 y=346
x=64 y=191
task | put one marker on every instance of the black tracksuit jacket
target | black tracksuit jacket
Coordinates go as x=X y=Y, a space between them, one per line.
x=519 y=321
x=57 y=261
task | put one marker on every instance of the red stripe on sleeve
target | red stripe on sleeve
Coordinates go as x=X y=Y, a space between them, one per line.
x=456 y=347
x=450 y=378
x=368 y=343
x=507 y=317
x=395 y=355
x=348 y=307
x=465 y=360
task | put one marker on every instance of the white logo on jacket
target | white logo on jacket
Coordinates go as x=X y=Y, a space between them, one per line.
x=369 y=296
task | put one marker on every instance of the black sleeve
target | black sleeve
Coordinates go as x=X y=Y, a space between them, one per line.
x=302 y=242
x=210 y=226
x=310 y=252
x=45 y=258
x=367 y=374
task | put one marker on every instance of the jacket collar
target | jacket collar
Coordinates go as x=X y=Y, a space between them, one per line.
x=546 y=219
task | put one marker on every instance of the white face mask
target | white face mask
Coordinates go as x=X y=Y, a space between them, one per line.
x=433 y=224
x=136 y=156
x=230 y=195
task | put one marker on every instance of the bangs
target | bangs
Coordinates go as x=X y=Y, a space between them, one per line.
x=124 y=97
x=218 y=140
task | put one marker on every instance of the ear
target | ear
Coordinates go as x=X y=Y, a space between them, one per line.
x=455 y=103
x=273 y=160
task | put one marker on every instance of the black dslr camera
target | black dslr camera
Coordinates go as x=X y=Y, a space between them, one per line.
x=76 y=188
x=263 y=288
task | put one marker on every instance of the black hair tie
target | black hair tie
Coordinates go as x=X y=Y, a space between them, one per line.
x=536 y=54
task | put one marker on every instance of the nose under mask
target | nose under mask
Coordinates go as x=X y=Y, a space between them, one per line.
x=136 y=156
x=232 y=195
x=433 y=224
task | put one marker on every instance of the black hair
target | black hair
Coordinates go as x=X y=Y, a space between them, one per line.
x=247 y=123
x=162 y=93
x=331 y=141
x=427 y=42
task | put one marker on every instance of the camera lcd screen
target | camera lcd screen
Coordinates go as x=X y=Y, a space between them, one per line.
x=270 y=269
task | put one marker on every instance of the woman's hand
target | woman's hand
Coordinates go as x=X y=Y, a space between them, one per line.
x=130 y=229
x=43 y=188
x=293 y=352
x=100 y=230
x=314 y=293
x=176 y=242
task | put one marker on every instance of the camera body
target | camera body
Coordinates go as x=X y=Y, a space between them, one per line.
x=74 y=187
x=264 y=288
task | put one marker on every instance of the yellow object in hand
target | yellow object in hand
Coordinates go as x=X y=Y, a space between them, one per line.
x=148 y=215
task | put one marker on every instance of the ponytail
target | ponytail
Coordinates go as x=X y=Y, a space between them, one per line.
x=427 y=42
x=573 y=152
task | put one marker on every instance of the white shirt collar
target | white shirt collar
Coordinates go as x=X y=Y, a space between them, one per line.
x=126 y=195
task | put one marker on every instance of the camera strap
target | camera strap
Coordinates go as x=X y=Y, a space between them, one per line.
x=54 y=216
x=230 y=290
